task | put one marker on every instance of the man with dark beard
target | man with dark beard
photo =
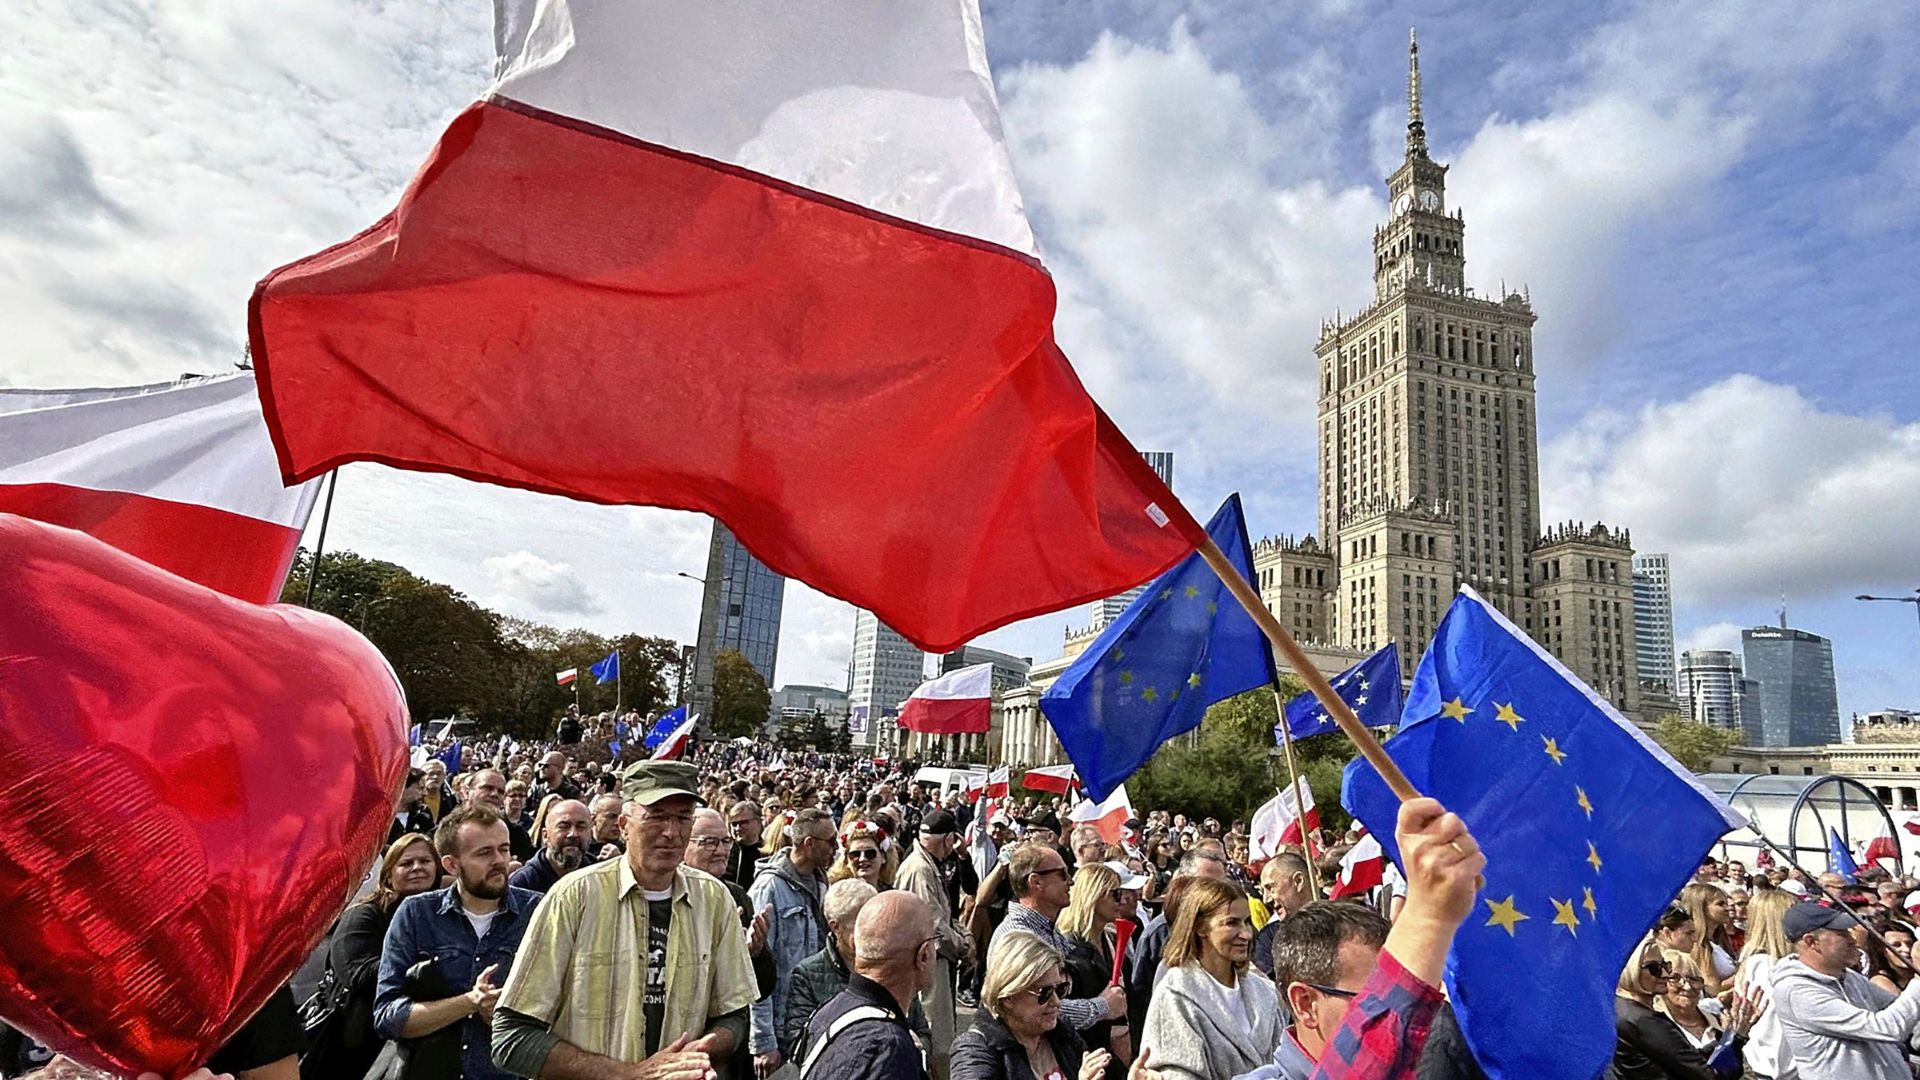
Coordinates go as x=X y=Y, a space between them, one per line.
x=470 y=930
x=563 y=848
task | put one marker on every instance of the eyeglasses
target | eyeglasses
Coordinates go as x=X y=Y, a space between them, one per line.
x=709 y=842
x=1334 y=991
x=1061 y=870
x=1050 y=992
x=862 y=855
x=1690 y=981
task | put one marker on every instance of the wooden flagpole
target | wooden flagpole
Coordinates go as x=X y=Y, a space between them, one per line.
x=1335 y=705
x=1306 y=843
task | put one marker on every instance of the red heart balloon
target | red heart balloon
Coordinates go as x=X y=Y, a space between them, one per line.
x=191 y=786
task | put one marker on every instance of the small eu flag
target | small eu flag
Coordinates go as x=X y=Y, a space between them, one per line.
x=450 y=757
x=1150 y=675
x=613 y=748
x=1589 y=829
x=663 y=727
x=1839 y=859
x=607 y=670
x=1371 y=688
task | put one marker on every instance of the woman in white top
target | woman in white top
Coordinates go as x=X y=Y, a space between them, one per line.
x=1212 y=1015
x=1712 y=951
x=1766 y=1050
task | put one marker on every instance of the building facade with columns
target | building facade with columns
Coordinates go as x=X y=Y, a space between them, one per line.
x=1891 y=770
x=1429 y=465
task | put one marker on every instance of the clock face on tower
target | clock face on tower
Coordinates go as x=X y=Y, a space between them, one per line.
x=1401 y=204
x=1429 y=199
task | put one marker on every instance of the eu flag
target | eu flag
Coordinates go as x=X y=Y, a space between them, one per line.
x=1839 y=859
x=613 y=748
x=663 y=727
x=450 y=757
x=1589 y=830
x=1371 y=688
x=1150 y=675
x=607 y=670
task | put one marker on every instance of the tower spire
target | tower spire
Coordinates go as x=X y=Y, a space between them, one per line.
x=1416 y=127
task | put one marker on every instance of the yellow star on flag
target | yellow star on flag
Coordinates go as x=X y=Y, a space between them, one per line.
x=1193 y=591
x=1193 y=680
x=1564 y=916
x=1585 y=803
x=1507 y=716
x=1593 y=909
x=1593 y=857
x=1455 y=710
x=1505 y=915
x=1553 y=750
x=1167 y=593
x=1119 y=654
x=1149 y=694
x=1126 y=678
x=1213 y=607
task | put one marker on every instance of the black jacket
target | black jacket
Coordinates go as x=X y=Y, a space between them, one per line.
x=988 y=1051
x=1090 y=968
x=879 y=1049
x=741 y=862
x=1648 y=1046
x=353 y=964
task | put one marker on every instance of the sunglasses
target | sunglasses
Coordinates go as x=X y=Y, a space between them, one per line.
x=1051 y=992
x=1659 y=969
x=1334 y=991
x=863 y=855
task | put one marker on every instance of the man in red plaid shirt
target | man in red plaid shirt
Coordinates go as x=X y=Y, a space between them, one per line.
x=1364 y=995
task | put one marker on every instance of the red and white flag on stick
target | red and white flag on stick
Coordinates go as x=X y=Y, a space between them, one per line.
x=1058 y=779
x=1364 y=867
x=957 y=703
x=181 y=475
x=1109 y=815
x=999 y=782
x=1279 y=822
x=565 y=678
x=676 y=741
x=647 y=203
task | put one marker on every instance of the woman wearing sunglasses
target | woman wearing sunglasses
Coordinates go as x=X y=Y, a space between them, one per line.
x=1648 y=1045
x=861 y=856
x=1017 y=1034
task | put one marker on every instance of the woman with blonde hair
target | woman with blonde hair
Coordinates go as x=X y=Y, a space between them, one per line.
x=1093 y=903
x=1211 y=1014
x=775 y=836
x=863 y=855
x=1017 y=1034
x=1680 y=1001
x=1648 y=1045
x=1713 y=951
x=1767 y=1054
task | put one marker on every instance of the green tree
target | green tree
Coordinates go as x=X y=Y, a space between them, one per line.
x=1692 y=744
x=740 y=698
x=802 y=732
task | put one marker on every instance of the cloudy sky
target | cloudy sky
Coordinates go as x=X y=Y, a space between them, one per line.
x=1715 y=207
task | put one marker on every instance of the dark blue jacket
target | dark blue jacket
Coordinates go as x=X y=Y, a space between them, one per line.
x=432 y=925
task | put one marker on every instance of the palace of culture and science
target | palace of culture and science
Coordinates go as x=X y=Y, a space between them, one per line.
x=1429 y=463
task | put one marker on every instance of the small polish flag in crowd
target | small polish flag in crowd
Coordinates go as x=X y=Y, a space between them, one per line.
x=1058 y=779
x=1109 y=815
x=182 y=475
x=1363 y=868
x=676 y=740
x=999 y=782
x=1278 y=822
x=565 y=678
x=957 y=703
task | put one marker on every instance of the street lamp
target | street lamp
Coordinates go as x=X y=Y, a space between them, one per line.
x=688 y=654
x=1914 y=600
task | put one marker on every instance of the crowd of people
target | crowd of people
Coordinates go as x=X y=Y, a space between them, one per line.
x=752 y=915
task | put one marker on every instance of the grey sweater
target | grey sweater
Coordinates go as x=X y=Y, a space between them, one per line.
x=1844 y=1028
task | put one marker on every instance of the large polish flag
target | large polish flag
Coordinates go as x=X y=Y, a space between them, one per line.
x=1279 y=822
x=181 y=475
x=725 y=256
x=957 y=703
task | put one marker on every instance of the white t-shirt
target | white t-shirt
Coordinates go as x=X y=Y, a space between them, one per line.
x=480 y=922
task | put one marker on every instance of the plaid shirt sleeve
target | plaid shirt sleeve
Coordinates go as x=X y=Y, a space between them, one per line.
x=1385 y=1028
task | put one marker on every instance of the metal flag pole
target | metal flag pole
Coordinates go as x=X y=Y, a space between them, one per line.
x=1815 y=878
x=1300 y=813
x=1335 y=705
x=618 y=685
x=320 y=544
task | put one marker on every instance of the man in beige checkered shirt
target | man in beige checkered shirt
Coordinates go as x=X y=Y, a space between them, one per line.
x=635 y=967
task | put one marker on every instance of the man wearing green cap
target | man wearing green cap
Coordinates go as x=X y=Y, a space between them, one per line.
x=638 y=959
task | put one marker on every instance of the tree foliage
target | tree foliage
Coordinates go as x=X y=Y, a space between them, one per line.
x=1692 y=744
x=741 y=701
x=455 y=657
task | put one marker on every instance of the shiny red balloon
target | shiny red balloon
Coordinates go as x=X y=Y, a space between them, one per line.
x=191 y=787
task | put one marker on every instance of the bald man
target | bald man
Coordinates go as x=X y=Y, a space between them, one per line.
x=862 y=1034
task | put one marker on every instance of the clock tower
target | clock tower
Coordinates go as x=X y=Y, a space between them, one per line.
x=1421 y=240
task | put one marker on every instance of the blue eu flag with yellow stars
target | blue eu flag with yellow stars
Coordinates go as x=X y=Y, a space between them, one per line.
x=1589 y=830
x=1371 y=688
x=663 y=727
x=1184 y=644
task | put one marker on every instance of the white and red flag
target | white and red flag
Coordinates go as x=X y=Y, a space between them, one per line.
x=1058 y=779
x=1363 y=867
x=181 y=475
x=675 y=743
x=719 y=216
x=1110 y=815
x=999 y=782
x=565 y=678
x=1279 y=821
x=957 y=703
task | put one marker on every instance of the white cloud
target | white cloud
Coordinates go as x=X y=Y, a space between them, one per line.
x=1752 y=488
x=526 y=580
x=1719 y=635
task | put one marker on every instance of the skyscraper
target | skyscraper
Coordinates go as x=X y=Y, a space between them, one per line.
x=1429 y=471
x=1709 y=686
x=883 y=672
x=1799 y=704
x=739 y=609
x=1109 y=609
x=1653 y=618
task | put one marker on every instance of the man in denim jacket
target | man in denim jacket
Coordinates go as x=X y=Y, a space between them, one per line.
x=470 y=930
x=792 y=883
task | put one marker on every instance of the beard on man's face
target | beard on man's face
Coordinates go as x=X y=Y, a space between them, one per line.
x=566 y=854
x=491 y=887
